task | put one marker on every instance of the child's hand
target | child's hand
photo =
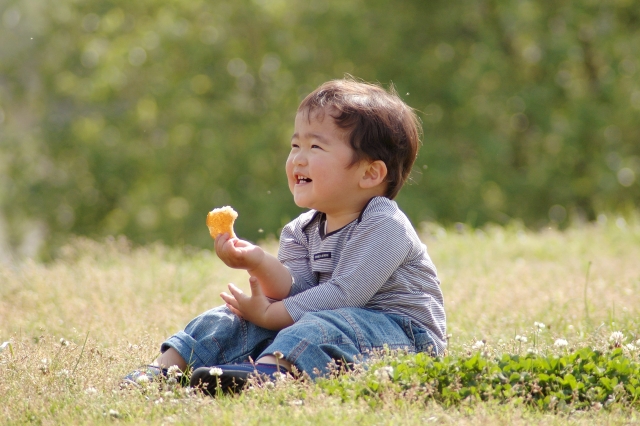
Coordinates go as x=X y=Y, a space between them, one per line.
x=257 y=308
x=252 y=308
x=238 y=254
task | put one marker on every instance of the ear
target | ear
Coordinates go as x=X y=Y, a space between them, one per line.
x=375 y=173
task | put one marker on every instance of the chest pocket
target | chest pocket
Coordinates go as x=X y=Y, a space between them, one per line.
x=324 y=262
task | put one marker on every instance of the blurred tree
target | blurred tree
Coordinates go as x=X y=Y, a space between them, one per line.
x=138 y=118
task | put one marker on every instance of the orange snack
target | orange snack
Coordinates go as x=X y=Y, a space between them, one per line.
x=221 y=220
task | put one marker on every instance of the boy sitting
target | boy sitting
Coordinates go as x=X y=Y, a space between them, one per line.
x=351 y=273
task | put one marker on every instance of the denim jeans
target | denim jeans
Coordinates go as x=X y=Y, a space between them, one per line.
x=348 y=334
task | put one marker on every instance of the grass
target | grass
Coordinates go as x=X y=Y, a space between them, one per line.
x=80 y=323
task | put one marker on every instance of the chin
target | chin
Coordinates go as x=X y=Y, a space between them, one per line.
x=298 y=202
x=302 y=203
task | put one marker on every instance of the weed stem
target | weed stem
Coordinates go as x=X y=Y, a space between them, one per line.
x=81 y=352
x=586 y=303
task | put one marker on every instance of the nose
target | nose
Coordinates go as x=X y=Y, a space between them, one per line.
x=299 y=158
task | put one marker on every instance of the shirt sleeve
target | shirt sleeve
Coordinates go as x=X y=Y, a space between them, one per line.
x=377 y=248
x=293 y=253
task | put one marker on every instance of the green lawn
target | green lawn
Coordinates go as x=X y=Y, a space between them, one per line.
x=77 y=325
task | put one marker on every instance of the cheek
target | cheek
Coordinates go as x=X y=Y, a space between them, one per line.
x=289 y=173
x=288 y=166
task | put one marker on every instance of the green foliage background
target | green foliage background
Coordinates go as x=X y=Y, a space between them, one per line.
x=138 y=117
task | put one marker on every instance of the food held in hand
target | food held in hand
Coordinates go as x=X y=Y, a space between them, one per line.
x=221 y=220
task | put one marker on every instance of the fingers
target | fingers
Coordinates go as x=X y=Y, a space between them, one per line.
x=236 y=292
x=256 y=290
x=234 y=310
x=238 y=243
x=235 y=296
x=232 y=299
x=225 y=242
x=232 y=251
x=221 y=239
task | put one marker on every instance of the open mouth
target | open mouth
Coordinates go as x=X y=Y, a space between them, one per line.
x=302 y=179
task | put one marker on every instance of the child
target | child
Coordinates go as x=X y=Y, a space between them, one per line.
x=351 y=273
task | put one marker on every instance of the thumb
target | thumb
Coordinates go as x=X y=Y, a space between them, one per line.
x=256 y=290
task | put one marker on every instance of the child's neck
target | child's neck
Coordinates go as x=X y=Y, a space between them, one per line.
x=335 y=222
x=339 y=219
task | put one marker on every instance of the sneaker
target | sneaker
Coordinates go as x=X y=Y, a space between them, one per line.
x=144 y=375
x=233 y=377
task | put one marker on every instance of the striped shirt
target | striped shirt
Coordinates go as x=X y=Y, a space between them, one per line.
x=375 y=262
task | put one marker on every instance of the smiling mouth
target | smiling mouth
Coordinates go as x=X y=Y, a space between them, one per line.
x=302 y=179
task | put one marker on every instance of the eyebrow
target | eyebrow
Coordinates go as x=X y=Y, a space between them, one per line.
x=311 y=136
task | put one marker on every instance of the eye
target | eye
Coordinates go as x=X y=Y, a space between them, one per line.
x=294 y=145
x=316 y=146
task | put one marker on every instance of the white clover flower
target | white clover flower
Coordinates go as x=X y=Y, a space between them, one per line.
x=560 y=343
x=522 y=339
x=630 y=347
x=44 y=368
x=617 y=338
x=539 y=325
x=269 y=385
x=532 y=351
x=215 y=371
x=478 y=345
x=64 y=342
x=64 y=373
x=142 y=379
x=6 y=345
x=280 y=377
x=384 y=372
x=174 y=371
x=90 y=391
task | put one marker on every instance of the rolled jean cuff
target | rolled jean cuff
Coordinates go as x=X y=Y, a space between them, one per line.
x=194 y=354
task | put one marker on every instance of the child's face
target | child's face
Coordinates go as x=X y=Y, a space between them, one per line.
x=318 y=165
